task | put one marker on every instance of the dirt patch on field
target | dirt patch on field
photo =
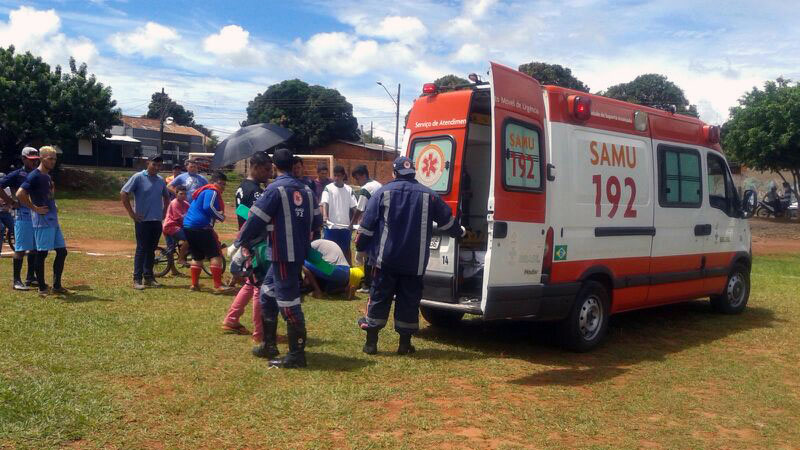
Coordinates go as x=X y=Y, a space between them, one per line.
x=102 y=246
x=107 y=207
x=775 y=236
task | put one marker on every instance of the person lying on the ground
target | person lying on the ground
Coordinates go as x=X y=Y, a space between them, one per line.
x=326 y=270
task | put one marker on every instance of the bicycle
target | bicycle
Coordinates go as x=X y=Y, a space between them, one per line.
x=166 y=260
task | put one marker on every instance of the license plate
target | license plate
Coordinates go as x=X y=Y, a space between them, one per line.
x=435 y=241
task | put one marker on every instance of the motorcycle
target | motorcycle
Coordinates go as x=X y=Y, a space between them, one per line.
x=766 y=209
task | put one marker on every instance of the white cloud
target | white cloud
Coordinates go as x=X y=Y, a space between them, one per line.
x=470 y=53
x=346 y=55
x=38 y=31
x=150 y=40
x=232 y=45
x=406 y=29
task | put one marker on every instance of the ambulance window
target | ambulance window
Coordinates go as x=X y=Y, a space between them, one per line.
x=433 y=162
x=522 y=153
x=680 y=184
x=720 y=185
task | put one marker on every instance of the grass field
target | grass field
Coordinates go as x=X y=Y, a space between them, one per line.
x=111 y=367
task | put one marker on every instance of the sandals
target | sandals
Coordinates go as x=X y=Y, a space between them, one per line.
x=238 y=329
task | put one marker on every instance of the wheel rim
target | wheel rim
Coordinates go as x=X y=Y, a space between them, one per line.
x=736 y=289
x=590 y=318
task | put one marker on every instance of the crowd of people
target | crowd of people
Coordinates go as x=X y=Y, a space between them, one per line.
x=295 y=236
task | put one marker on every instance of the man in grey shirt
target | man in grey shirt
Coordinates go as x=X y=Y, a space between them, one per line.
x=151 y=199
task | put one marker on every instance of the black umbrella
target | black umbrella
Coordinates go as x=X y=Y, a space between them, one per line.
x=248 y=141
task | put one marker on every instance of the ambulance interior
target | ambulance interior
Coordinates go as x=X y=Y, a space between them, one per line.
x=474 y=196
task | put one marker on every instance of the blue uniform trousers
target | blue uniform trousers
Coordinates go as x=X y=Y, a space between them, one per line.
x=281 y=292
x=405 y=290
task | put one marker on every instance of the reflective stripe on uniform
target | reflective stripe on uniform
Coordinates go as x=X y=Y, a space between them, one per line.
x=375 y=322
x=449 y=224
x=423 y=232
x=366 y=232
x=265 y=290
x=310 y=196
x=386 y=202
x=406 y=325
x=287 y=222
x=289 y=304
x=260 y=214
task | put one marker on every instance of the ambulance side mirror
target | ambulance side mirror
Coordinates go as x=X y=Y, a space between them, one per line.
x=749 y=203
x=551 y=176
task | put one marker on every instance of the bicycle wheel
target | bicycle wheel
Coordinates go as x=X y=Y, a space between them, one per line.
x=163 y=262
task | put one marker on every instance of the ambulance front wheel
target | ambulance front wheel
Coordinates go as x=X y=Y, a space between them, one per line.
x=440 y=317
x=737 y=291
x=587 y=323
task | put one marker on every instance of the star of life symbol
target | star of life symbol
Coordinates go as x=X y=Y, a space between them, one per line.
x=430 y=164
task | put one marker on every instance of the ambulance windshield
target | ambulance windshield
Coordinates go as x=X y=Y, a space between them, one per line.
x=432 y=160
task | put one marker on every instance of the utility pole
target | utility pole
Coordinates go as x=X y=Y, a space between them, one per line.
x=161 y=118
x=397 y=122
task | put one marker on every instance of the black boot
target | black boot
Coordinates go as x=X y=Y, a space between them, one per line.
x=297 y=353
x=405 y=347
x=269 y=348
x=371 y=345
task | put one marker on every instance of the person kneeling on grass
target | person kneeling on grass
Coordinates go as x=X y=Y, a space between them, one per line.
x=327 y=271
x=173 y=226
x=206 y=208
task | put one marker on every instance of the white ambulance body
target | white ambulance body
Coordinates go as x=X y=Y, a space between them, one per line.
x=578 y=207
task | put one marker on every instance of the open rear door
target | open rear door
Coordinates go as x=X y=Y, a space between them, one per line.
x=512 y=273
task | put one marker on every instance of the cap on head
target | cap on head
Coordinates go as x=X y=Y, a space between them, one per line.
x=30 y=153
x=283 y=159
x=404 y=166
x=156 y=158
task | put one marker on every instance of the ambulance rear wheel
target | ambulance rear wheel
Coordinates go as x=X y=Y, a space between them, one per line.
x=737 y=291
x=440 y=317
x=587 y=323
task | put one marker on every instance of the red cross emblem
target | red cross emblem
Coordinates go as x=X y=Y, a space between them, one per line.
x=429 y=164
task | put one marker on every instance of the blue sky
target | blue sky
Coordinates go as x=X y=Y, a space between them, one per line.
x=213 y=57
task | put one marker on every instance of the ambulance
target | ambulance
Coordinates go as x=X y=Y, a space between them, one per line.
x=577 y=207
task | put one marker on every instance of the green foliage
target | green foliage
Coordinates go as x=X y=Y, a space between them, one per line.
x=653 y=90
x=40 y=104
x=764 y=130
x=161 y=103
x=449 y=81
x=316 y=114
x=553 y=74
x=369 y=138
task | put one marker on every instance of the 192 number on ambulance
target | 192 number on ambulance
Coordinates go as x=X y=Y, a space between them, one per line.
x=613 y=191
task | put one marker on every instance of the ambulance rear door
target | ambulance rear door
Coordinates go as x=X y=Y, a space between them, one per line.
x=438 y=129
x=516 y=204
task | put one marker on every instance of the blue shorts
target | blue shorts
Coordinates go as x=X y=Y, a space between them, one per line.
x=24 y=239
x=341 y=237
x=49 y=238
x=178 y=235
x=339 y=278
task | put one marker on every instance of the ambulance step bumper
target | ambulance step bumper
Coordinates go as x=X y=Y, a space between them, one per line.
x=465 y=307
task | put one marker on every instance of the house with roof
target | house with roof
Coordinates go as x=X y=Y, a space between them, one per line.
x=135 y=139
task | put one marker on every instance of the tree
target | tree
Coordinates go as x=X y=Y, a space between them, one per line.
x=159 y=101
x=369 y=138
x=26 y=83
x=763 y=132
x=44 y=105
x=553 y=74
x=82 y=107
x=317 y=115
x=653 y=90
x=449 y=81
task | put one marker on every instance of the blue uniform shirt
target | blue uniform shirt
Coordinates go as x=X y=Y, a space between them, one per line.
x=205 y=210
x=290 y=206
x=397 y=224
x=149 y=193
x=13 y=181
x=192 y=182
x=40 y=188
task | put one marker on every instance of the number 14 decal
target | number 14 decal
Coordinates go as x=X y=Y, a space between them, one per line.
x=614 y=195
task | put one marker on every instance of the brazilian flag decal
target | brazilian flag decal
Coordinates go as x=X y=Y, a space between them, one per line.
x=560 y=253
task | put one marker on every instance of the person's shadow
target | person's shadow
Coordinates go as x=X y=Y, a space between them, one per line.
x=633 y=337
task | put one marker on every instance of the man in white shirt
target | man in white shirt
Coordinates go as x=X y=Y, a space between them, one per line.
x=368 y=187
x=338 y=205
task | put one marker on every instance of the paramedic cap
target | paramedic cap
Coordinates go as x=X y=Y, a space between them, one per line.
x=156 y=158
x=283 y=159
x=403 y=166
x=30 y=153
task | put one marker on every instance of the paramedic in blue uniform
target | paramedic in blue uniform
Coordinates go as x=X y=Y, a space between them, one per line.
x=396 y=232
x=23 y=225
x=291 y=210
